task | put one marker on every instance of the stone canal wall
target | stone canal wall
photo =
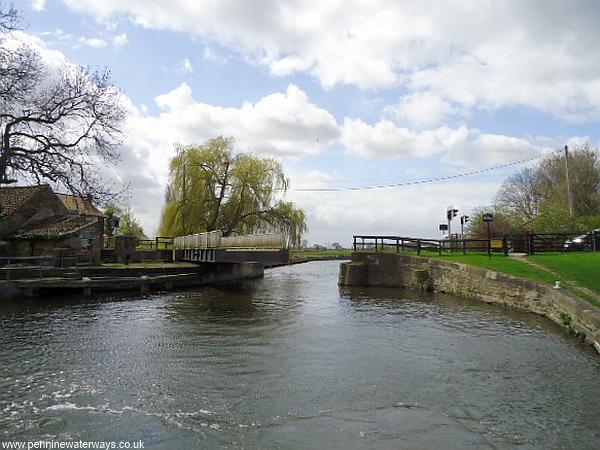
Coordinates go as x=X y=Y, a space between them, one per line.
x=474 y=283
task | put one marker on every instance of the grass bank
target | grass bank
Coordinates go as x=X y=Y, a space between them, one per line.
x=583 y=268
x=318 y=255
x=577 y=272
x=502 y=264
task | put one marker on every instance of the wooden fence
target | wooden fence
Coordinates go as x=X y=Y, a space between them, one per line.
x=401 y=244
x=530 y=243
x=158 y=243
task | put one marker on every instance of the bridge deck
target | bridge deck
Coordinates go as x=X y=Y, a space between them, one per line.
x=233 y=255
x=211 y=247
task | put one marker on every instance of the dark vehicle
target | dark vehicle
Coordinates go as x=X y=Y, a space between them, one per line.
x=586 y=242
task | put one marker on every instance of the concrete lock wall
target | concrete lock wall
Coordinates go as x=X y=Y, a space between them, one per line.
x=138 y=280
x=474 y=283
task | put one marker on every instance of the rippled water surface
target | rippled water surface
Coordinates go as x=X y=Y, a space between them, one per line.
x=292 y=361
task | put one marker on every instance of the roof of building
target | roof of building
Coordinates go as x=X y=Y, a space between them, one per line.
x=14 y=198
x=81 y=205
x=56 y=225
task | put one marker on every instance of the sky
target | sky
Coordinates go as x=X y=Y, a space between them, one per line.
x=346 y=94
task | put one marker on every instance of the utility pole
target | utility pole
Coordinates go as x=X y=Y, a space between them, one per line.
x=183 y=201
x=569 y=197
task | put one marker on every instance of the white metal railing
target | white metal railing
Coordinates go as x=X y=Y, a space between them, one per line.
x=272 y=240
x=214 y=239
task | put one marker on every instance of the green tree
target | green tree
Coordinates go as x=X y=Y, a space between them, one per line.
x=122 y=222
x=553 y=219
x=536 y=198
x=584 y=174
x=502 y=224
x=112 y=214
x=211 y=188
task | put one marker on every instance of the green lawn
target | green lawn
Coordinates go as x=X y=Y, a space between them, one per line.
x=303 y=255
x=581 y=267
x=500 y=263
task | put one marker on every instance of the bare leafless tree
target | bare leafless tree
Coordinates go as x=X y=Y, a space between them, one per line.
x=57 y=125
x=9 y=18
x=520 y=194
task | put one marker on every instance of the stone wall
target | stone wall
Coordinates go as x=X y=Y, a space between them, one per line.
x=109 y=256
x=70 y=245
x=474 y=283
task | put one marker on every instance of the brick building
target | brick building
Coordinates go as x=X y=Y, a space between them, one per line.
x=35 y=221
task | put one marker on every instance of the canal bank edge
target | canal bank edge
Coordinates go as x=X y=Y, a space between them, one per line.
x=93 y=280
x=474 y=283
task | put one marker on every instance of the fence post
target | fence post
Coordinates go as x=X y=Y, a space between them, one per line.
x=418 y=246
x=464 y=242
x=376 y=245
x=530 y=243
x=505 y=244
x=440 y=248
x=397 y=245
x=354 y=244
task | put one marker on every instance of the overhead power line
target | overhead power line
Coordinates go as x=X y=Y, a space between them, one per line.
x=420 y=181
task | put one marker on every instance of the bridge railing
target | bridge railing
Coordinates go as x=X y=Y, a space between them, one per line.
x=211 y=239
x=214 y=239
x=271 y=240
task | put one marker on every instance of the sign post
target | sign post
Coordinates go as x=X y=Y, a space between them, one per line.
x=443 y=227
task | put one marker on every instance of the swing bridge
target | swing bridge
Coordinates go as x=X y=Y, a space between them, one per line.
x=212 y=247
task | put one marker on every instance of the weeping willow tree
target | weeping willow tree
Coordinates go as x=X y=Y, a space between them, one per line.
x=211 y=188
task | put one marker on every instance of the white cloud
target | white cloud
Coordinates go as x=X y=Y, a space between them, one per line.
x=511 y=53
x=52 y=58
x=186 y=66
x=480 y=150
x=283 y=124
x=211 y=55
x=92 y=42
x=77 y=42
x=462 y=148
x=38 y=5
x=57 y=34
x=288 y=66
x=120 y=40
x=385 y=139
x=422 y=109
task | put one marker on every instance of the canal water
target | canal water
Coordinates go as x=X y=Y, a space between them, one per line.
x=293 y=361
